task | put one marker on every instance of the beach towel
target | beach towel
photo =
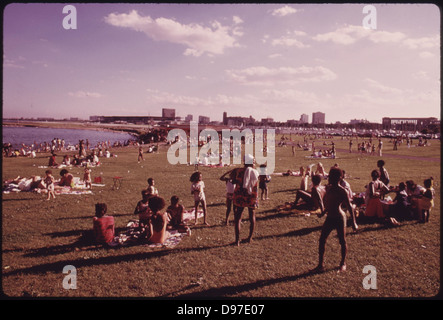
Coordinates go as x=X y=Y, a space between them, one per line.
x=132 y=235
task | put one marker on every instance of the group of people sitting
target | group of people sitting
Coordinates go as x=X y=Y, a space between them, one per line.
x=411 y=202
x=153 y=224
x=77 y=161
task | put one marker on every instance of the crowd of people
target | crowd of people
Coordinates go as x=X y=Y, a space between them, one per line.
x=245 y=186
x=58 y=145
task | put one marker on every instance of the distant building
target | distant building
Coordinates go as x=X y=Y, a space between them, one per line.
x=356 y=121
x=292 y=123
x=267 y=121
x=318 y=118
x=96 y=118
x=189 y=118
x=304 y=118
x=408 y=124
x=203 y=120
x=237 y=121
x=168 y=113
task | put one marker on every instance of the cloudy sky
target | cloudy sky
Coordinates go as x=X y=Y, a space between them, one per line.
x=263 y=60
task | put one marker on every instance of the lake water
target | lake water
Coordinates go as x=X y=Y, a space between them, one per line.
x=28 y=135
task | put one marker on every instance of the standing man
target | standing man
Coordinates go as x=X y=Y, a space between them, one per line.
x=380 y=147
x=333 y=199
x=245 y=195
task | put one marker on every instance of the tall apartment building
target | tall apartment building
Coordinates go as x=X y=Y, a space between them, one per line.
x=318 y=118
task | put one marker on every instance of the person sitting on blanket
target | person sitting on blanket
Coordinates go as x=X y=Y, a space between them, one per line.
x=175 y=214
x=103 y=225
x=67 y=179
x=158 y=221
x=144 y=213
x=52 y=161
x=314 y=198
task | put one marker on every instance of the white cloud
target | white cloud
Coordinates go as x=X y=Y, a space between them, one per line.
x=345 y=35
x=162 y=97
x=421 y=75
x=290 y=40
x=284 y=11
x=284 y=75
x=423 y=43
x=85 y=94
x=275 y=55
x=426 y=54
x=197 y=38
x=237 y=20
x=291 y=96
x=385 y=36
x=8 y=63
x=382 y=88
x=350 y=34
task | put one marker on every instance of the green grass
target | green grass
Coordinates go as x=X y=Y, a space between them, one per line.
x=40 y=237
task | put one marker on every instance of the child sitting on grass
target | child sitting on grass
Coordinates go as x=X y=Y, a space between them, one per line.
x=175 y=214
x=158 y=221
x=144 y=212
x=103 y=225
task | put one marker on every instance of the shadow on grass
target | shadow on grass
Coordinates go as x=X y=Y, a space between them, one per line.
x=22 y=199
x=227 y=291
x=82 y=262
x=90 y=217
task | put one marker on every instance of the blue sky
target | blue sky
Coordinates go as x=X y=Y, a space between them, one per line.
x=263 y=60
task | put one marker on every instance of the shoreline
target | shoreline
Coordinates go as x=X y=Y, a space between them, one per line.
x=134 y=130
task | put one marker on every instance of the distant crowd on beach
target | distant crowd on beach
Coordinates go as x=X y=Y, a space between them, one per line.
x=59 y=144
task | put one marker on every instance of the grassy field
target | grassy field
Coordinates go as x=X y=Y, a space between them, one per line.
x=40 y=237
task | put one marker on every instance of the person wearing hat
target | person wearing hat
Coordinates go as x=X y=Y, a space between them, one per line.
x=245 y=195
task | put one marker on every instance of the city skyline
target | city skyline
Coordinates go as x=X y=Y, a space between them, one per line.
x=276 y=61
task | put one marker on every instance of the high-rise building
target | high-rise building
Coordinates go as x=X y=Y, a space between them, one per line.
x=318 y=118
x=225 y=118
x=168 y=113
x=304 y=118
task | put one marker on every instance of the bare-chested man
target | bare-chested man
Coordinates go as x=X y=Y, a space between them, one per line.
x=334 y=197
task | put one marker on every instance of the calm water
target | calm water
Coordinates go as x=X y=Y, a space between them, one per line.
x=28 y=135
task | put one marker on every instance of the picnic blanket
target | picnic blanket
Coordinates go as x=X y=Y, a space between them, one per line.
x=132 y=234
x=25 y=185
